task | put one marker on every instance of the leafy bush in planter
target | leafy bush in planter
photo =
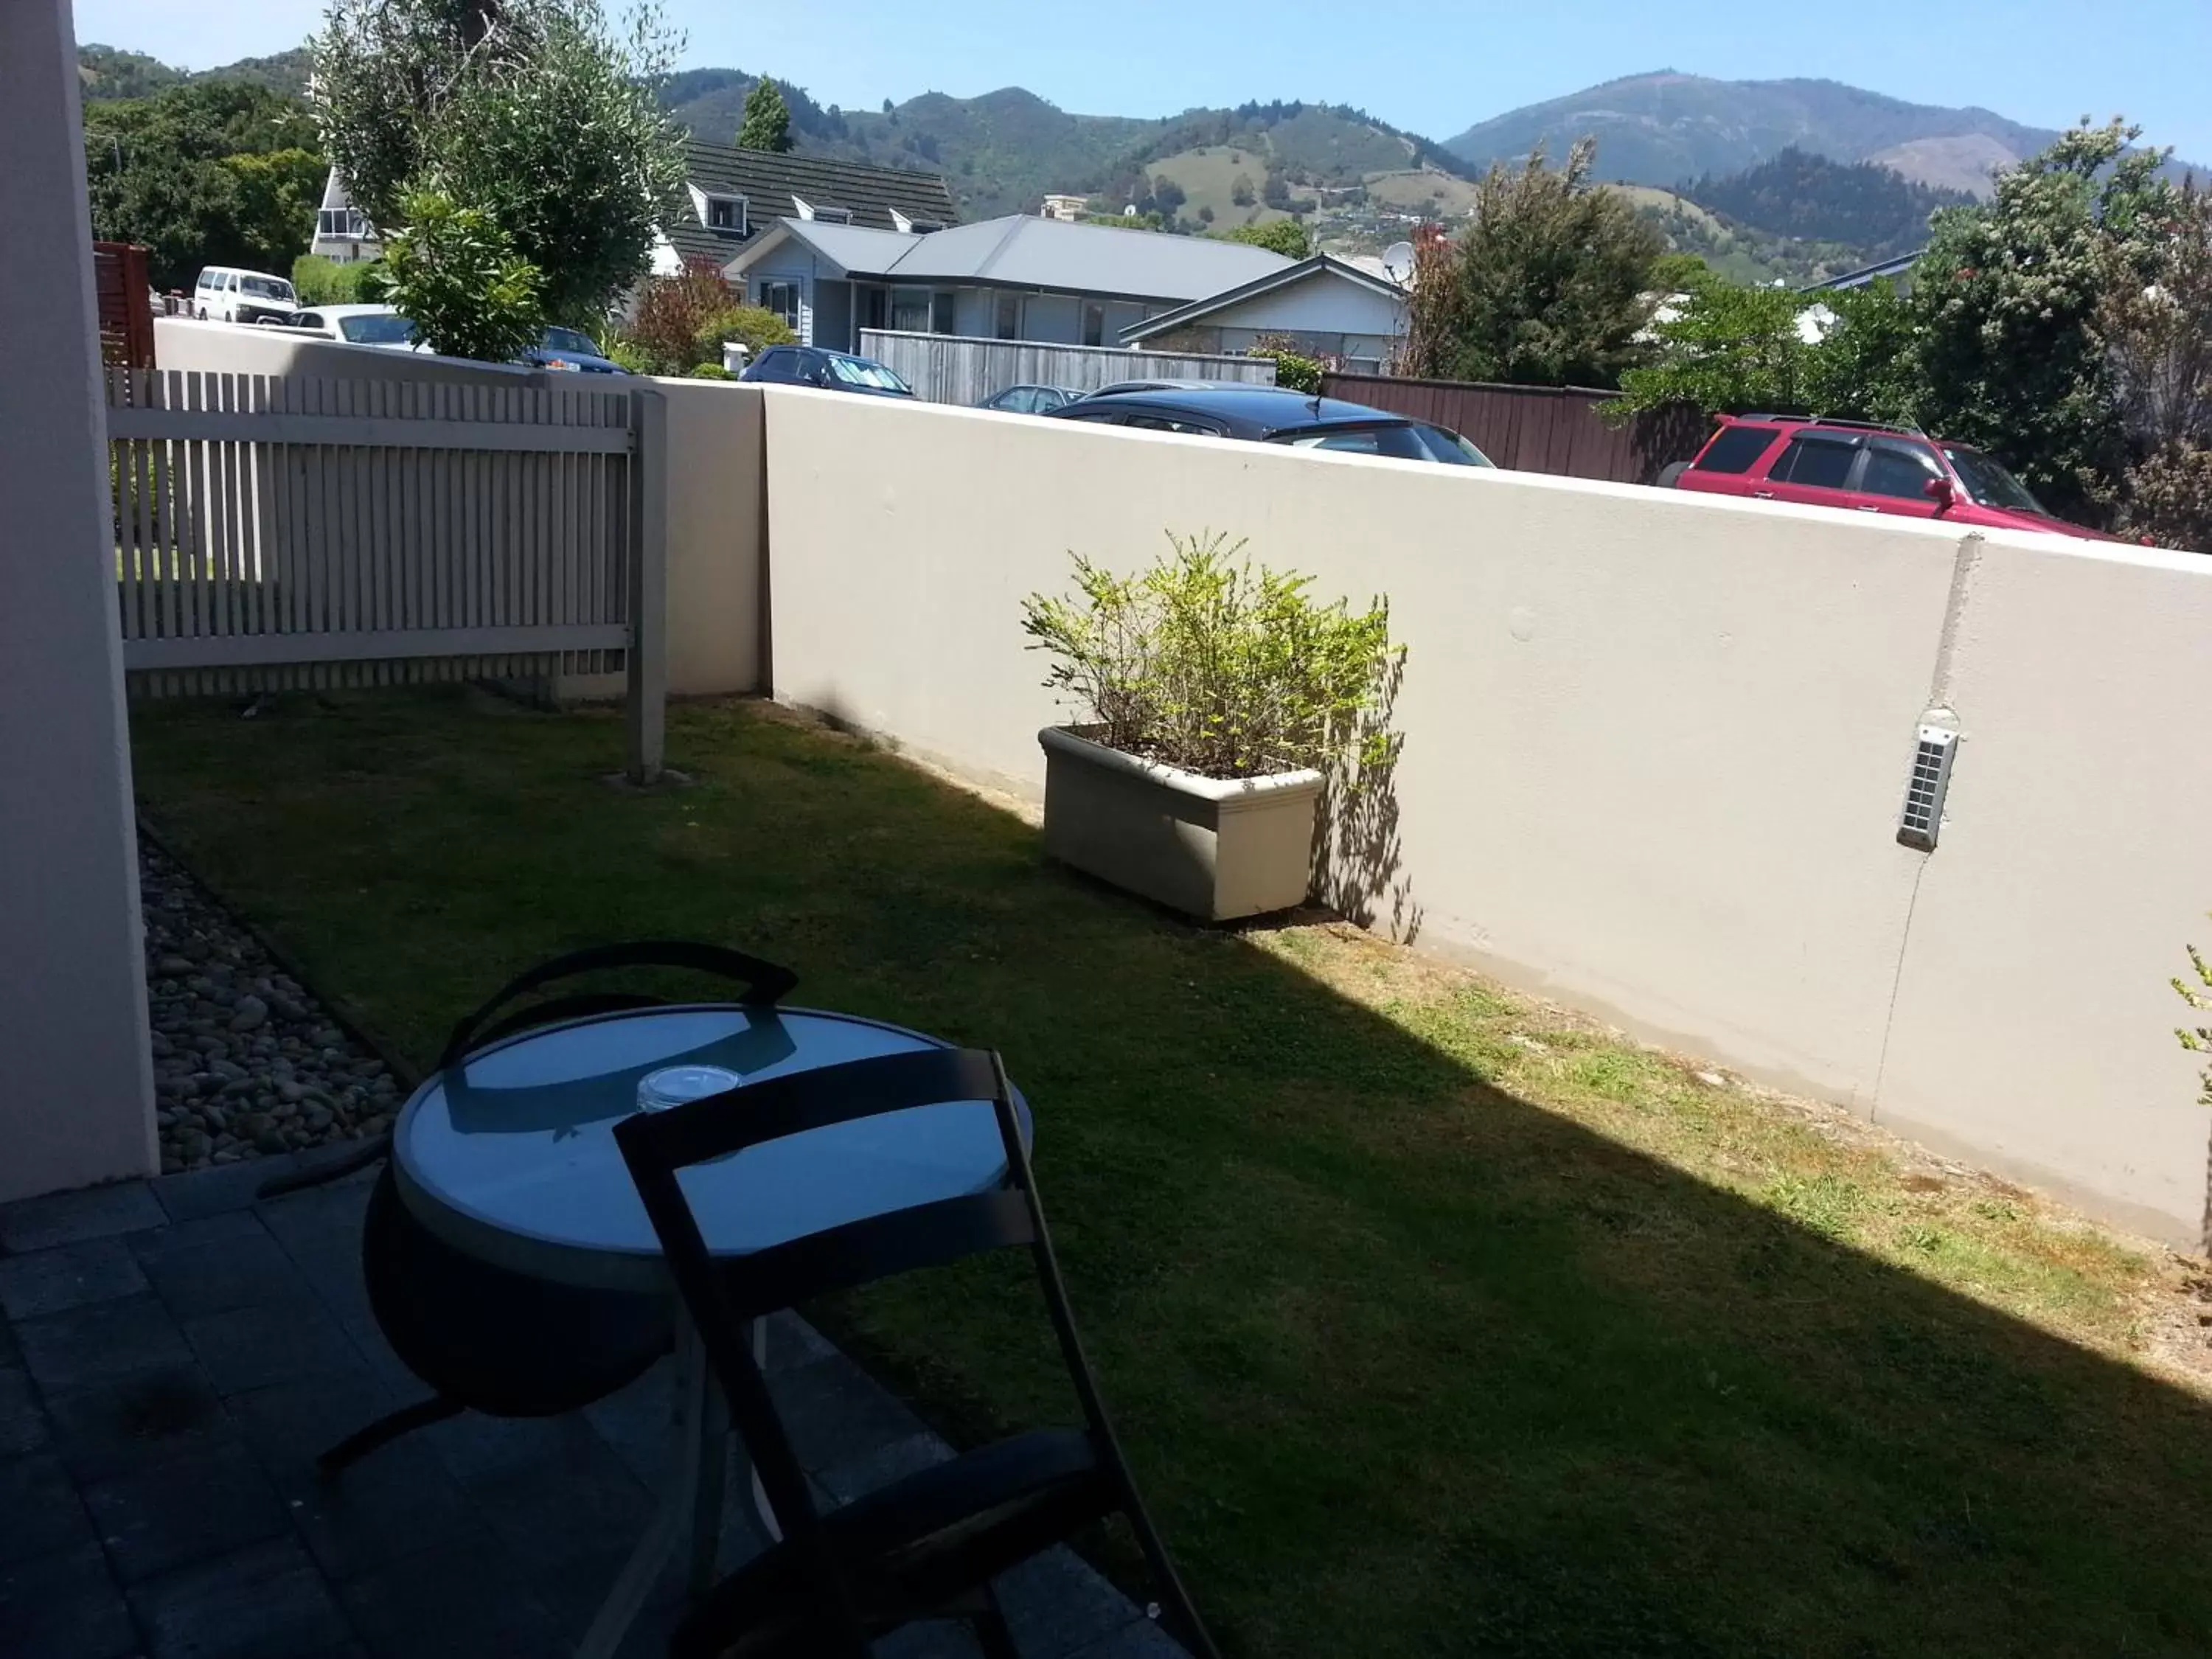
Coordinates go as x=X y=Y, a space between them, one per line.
x=1203 y=663
x=2199 y=1039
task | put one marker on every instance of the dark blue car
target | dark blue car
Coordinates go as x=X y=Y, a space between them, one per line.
x=571 y=349
x=833 y=371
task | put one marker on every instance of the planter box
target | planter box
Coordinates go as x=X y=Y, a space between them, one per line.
x=1213 y=848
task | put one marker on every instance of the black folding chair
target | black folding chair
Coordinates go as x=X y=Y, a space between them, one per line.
x=927 y=1547
x=484 y=1338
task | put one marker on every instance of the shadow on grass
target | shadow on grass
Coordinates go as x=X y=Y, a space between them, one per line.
x=1407 y=1366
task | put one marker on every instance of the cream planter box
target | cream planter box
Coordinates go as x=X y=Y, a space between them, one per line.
x=1215 y=848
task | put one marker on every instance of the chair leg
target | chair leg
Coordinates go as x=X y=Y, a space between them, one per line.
x=408 y=1419
x=990 y=1632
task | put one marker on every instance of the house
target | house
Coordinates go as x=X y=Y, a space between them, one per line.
x=733 y=197
x=1898 y=270
x=1324 y=307
x=1068 y=209
x=343 y=232
x=1014 y=278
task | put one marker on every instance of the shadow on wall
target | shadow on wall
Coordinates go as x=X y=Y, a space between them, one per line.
x=1358 y=861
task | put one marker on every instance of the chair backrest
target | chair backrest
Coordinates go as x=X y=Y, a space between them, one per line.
x=722 y=1294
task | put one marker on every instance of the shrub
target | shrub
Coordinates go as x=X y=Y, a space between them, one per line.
x=671 y=311
x=709 y=372
x=2168 y=498
x=753 y=325
x=2198 y=1040
x=1292 y=369
x=320 y=282
x=1201 y=663
x=455 y=275
x=621 y=351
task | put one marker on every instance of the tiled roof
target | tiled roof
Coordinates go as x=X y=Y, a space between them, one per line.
x=773 y=184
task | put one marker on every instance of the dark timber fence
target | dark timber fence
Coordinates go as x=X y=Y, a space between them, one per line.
x=1537 y=428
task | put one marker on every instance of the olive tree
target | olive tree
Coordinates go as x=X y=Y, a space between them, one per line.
x=539 y=113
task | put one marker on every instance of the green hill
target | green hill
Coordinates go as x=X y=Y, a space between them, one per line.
x=105 y=72
x=1862 y=204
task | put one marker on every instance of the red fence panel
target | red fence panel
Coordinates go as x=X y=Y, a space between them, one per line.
x=126 y=310
x=1532 y=428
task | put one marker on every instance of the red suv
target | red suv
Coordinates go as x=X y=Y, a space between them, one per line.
x=1857 y=465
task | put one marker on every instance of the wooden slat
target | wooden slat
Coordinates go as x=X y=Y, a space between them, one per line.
x=250 y=650
x=361 y=431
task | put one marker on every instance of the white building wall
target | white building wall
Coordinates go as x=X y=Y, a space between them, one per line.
x=75 y=1076
x=790 y=263
x=1324 y=304
x=1055 y=318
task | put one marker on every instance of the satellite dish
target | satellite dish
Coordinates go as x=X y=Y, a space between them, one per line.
x=1398 y=263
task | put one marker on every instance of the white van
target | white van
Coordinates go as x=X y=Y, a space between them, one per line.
x=225 y=293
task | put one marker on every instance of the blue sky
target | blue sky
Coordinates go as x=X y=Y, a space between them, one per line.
x=1435 y=68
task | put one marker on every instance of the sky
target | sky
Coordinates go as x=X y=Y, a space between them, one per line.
x=2042 y=62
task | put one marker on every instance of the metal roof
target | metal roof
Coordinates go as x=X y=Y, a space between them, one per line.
x=1020 y=251
x=1319 y=265
x=773 y=185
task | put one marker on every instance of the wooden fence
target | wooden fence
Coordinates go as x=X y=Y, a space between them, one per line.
x=275 y=531
x=955 y=368
x=1537 y=428
x=127 y=305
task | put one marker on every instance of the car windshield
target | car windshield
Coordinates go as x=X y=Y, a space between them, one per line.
x=378 y=328
x=1988 y=484
x=1450 y=448
x=859 y=371
x=266 y=287
x=569 y=339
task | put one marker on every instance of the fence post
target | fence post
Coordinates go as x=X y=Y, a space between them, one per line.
x=648 y=713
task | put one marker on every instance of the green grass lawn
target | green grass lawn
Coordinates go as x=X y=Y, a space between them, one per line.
x=1436 y=1321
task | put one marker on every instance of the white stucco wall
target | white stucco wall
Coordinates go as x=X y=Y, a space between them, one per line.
x=790 y=263
x=1656 y=745
x=1324 y=303
x=75 y=1078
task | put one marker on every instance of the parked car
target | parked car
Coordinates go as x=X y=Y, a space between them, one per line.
x=1860 y=466
x=362 y=325
x=226 y=294
x=572 y=349
x=1031 y=399
x=1275 y=415
x=835 y=371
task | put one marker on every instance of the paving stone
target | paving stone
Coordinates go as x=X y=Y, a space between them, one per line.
x=224 y=1188
x=22 y=1419
x=1057 y=1602
x=64 y=1606
x=67 y=1276
x=638 y=1422
x=239 y=1267
x=884 y=1465
x=142 y=1417
x=939 y=1639
x=99 y=1342
x=467 y=1601
x=792 y=1342
x=1142 y=1640
x=265 y=1602
x=40 y=1514
x=275 y=1342
x=40 y=1224
x=398 y=1502
x=835 y=1413
x=203 y=1502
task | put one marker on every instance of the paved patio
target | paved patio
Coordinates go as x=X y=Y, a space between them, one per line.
x=173 y=1354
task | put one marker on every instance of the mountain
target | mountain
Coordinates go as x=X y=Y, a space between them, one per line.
x=1864 y=205
x=104 y=72
x=1652 y=129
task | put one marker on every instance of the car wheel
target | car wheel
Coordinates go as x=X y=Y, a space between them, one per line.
x=1670 y=474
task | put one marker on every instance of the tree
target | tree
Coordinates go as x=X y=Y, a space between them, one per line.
x=2006 y=302
x=206 y=173
x=1240 y=190
x=533 y=111
x=1867 y=365
x=767 y=123
x=1206 y=214
x=1168 y=196
x=453 y=272
x=1285 y=236
x=1550 y=283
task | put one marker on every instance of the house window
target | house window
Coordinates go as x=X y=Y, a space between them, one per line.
x=347 y=222
x=1009 y=324
x=1094 y=325
x=727 y=213
x=781 y=298
x=911 y=227
x=911 y=311
x=833 y=216
x=941 y=314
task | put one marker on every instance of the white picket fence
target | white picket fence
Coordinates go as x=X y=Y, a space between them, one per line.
x=954 y=368
x=277 y=532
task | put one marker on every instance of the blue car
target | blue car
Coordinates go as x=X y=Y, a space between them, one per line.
x=571 y=349
x=833 y=371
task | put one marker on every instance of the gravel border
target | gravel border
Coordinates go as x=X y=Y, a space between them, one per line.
x=247 y=1063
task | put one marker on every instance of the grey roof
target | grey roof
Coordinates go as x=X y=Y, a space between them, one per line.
x=1859 y=278
x=773 y=185
x=1018 y=252
x=1303 y=269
